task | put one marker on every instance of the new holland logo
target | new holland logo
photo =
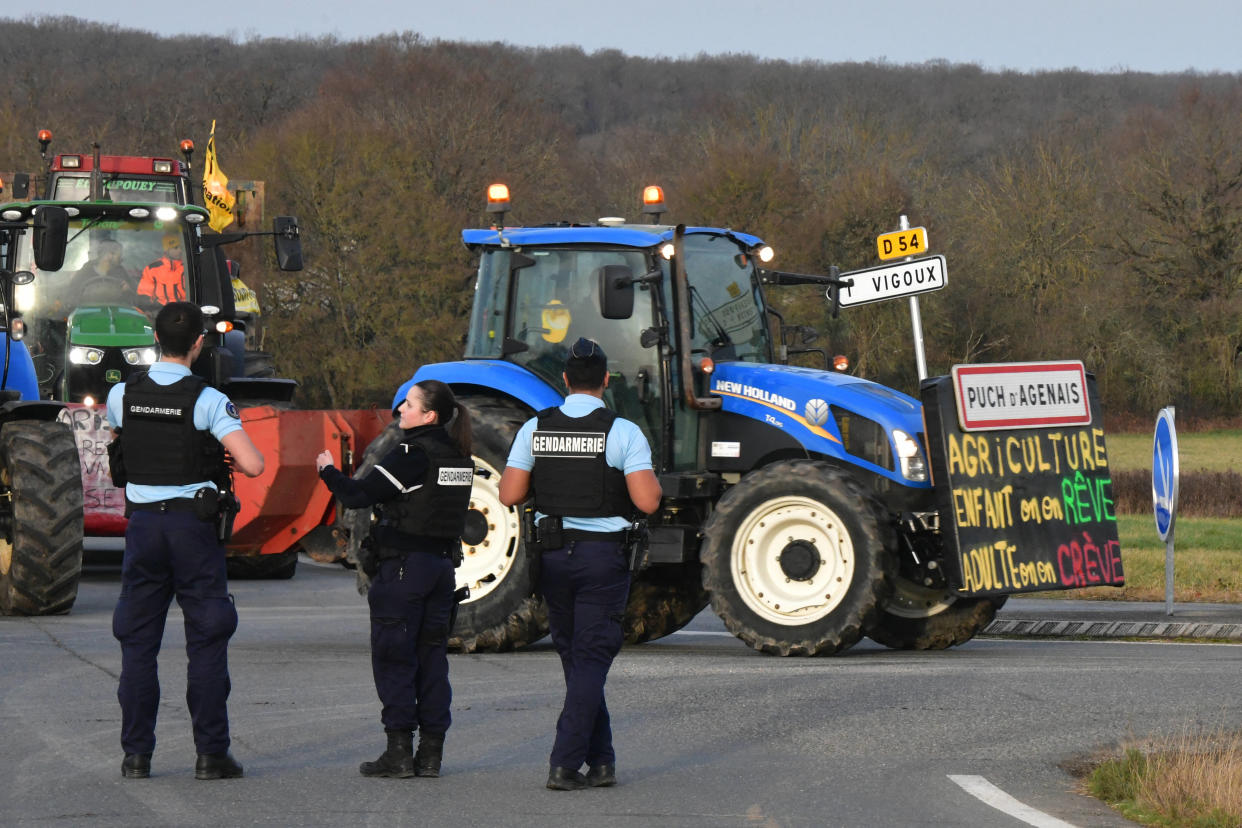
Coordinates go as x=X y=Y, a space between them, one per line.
x=816 y=412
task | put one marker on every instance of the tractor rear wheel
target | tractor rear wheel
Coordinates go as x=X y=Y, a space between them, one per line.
x=796 y=558
x=663 y=599
x=918 y=618
x=41 y=509
x=502 y=612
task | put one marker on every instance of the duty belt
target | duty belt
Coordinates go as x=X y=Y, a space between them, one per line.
x=174 y=504
x=584 y=535
x=388 y=552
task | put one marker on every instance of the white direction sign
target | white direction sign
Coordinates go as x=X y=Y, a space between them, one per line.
x=891 y=281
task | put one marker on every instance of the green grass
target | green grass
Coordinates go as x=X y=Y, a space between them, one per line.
x=1217 y=451
x=1207 y=562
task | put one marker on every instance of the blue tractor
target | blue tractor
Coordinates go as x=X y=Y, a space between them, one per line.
x=797 y=501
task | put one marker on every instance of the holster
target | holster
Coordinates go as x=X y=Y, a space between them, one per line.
x=229 y=507
x=116 y=462
x=637 y=541
x=551 y=532
x=459 y=595
x=368 y=556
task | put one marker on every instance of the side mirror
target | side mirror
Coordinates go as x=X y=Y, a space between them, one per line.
x=616 y=292
x=51 y=236
x=288 y=243
x=21 y=186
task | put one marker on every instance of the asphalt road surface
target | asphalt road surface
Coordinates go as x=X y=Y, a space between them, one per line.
x=708 y=732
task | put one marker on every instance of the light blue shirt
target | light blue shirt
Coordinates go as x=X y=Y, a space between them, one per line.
x=626 y=448
x=212 y=412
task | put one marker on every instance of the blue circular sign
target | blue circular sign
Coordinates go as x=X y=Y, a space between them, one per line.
x=1164 y=473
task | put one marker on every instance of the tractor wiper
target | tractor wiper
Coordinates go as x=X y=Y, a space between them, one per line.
x=87 y=226
x=722 y=336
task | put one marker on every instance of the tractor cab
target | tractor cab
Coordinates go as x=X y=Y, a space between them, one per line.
x=91 y=324
x=540 y=288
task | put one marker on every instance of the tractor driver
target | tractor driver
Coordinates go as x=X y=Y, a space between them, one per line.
x=173 y=431
x=163 y=280
x=104 y=272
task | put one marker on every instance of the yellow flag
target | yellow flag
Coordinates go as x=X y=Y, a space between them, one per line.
x=216 y=194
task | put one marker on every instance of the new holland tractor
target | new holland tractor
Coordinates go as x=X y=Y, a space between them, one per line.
x=40 y=481
x=799 y=502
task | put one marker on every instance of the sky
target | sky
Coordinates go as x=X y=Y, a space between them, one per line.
x=1093 y=35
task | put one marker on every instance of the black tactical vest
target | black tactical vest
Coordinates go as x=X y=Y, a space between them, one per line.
x=437 y=507
x=571 y=477
x=158 y=438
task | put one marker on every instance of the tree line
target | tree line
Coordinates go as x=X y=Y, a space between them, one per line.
x=1082 y=215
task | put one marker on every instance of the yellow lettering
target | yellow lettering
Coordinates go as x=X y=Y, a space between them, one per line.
x=1015 y=463
x=1097 y=441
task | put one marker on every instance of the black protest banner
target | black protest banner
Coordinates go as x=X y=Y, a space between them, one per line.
x=1022 y=509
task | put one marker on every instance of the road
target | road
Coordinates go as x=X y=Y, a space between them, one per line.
x=708 y=732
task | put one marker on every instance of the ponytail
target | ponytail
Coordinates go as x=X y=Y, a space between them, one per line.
x=459 y=428
x=451 y=414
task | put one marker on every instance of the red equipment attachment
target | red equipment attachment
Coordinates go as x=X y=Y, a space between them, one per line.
x=280 y=508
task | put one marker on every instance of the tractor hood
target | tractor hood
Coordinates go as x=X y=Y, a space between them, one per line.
x=110 y=326
x=831 y=414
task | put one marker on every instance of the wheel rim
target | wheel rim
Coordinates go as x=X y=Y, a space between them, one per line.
x=909 y=600
x=486 y=563
x=773 y=569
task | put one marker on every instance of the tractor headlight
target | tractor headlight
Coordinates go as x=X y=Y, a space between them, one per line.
x=140 y=356
x=80 y=355
x=909 y=456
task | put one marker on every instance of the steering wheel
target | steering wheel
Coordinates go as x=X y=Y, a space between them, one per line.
x=105 y=287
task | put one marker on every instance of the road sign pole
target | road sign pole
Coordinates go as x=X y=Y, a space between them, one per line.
x=916 y=322
x=1165 y=473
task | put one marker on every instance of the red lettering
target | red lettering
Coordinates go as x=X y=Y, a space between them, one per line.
x=1091 y=557
x=1063 y=558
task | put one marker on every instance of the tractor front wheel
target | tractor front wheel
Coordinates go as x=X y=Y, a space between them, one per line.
x=41 y=513
x=796 y=558
x=919 y=618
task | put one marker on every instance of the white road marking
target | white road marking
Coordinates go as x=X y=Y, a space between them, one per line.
x=989 y=794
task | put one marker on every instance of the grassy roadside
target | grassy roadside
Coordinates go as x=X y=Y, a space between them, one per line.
x=1192 y=780
x=1207 y=562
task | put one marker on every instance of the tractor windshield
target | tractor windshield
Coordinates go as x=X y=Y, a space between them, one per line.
x=110 y=264
x=725 y=303
x=553 y=302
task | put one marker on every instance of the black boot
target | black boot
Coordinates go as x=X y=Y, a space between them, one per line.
x=395 y=762
x=136 y=765
x=217 y=766
x=565 y=779
x=430 y=752
x=602 y=776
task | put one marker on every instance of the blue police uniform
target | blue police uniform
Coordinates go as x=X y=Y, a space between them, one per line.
x=411 y=594
x=173 y=552
x=586 y=584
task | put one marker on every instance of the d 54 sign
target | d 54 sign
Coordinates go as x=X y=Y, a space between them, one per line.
x=912 y=242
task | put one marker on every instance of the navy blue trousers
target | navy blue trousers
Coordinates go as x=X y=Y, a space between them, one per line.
x=586 y=585
x=411 y=601
x=169 y=554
